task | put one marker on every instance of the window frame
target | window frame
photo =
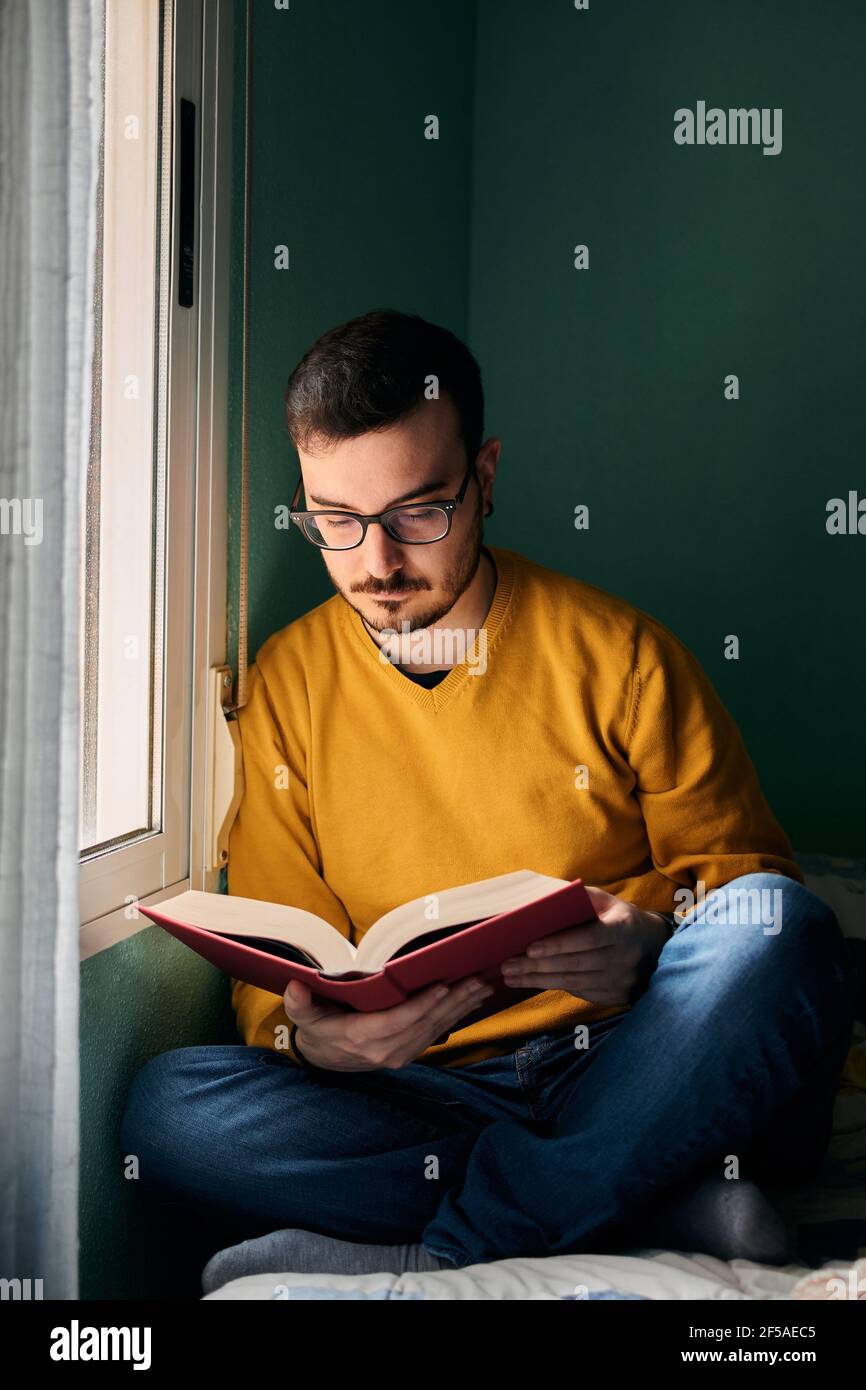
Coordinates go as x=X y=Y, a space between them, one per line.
x=172 y=859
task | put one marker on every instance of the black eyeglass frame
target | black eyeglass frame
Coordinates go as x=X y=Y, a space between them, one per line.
x=447 y=505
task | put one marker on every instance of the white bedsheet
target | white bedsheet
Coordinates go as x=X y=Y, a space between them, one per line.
x=652 y=1275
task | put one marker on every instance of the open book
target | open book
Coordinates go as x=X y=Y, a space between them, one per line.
x=443 y=936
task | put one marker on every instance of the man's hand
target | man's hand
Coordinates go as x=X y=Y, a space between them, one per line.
x=336 y=1040
x=604 y=962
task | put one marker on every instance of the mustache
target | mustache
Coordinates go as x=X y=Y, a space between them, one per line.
x=391 y=588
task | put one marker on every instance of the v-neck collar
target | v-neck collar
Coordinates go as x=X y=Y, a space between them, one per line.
x=435 y=698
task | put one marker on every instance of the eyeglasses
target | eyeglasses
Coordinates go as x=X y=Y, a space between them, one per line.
x=413 y=523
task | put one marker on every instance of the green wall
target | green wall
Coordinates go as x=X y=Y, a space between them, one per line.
x=373 y=215
x=606 y=385
x=144 y=996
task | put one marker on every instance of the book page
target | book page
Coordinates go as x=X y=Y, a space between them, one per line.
x=471 y=902
x=237 y=916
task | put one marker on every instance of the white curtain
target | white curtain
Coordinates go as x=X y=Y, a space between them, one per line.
x=50 y=124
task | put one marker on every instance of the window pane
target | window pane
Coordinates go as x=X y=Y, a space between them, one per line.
x=123 y=519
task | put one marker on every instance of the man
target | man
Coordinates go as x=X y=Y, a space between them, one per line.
x=650 y=1065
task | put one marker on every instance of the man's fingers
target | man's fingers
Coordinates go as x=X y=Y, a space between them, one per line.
x=302 y=1007
x=449 y=1013
x=457 y=1008
x=562 y=963
x=405 y=1022
x=408 y=1027
x=437 y=1022
x=588 y=936
x=600 y=898
x=402 y=1018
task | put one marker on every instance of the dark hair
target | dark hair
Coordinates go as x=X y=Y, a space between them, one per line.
x=370 y=372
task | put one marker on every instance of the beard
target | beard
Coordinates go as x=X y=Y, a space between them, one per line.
x=455 y=582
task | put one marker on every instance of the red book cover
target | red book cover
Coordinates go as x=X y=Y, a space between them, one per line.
x=476 y=949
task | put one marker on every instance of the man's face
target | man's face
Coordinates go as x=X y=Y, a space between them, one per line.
x=422 y=458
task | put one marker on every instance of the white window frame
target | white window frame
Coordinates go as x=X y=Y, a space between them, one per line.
x=174 y=858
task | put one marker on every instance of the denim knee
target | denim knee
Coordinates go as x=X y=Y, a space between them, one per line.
x=774 y=902
x=776 y=929
x=151 y=1111
x=795 y=910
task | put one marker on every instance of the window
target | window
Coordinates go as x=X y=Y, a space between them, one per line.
x=123 y=540
x=153 y=543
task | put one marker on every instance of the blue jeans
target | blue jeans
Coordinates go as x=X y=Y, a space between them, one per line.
x=734 y=1048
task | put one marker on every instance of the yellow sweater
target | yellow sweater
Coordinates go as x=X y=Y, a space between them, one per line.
x=365 y=790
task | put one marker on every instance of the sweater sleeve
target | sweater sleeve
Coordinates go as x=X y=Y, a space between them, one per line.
x=706 y=815
x=273 y=853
